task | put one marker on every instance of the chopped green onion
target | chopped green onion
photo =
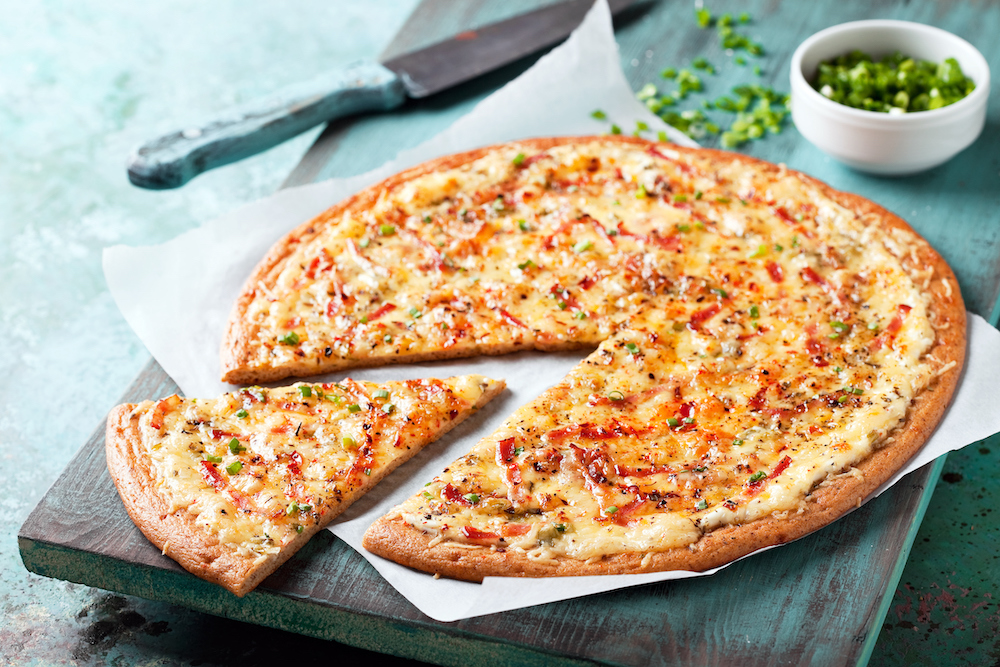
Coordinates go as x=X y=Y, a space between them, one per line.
x=673 y=421
x=560 y=527
x=414 y=312
x=428 y=495
x=839 y=326
x=701 y=505
x=387 y=338
x=843 y=399
x=640 y=126
x=778 y=247
x=754 y=312
x=213 y=459
x=234 y=467
x=562 y=305
x=242 y=414
x=382 y=393
x=298 y=529
x=611 y=510
x=684 y=228
x=349 y=442
x=704 y=17
x=235 y=447
x=641 y=192
x=721 y=292
x=873 y=326
x=669 y=73
x=292 y=508
x=364 y=319
x=680 y=198
x=305 y=391
x=697 y=194
x=662 y=136
x=427 y=219
x=388 y=408
x=757 y=476
x=760 y=252
x=523 y=224
x=580 y=315
x=616 y=396
x=737 y=442
x=472 y=497
x=688 y=420
x=583 y=246
x=598 y=114
x=354 y=407
x=722 y=200
x=518 y=451
x=615 y=129
x=632 y=348
x=837 y=369
x=518 y=159
x=525 y=264
x=291 y=338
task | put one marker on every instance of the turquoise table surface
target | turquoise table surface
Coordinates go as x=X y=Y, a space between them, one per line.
x=83 y=83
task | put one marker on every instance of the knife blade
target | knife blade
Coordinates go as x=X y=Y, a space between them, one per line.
x=173 y=159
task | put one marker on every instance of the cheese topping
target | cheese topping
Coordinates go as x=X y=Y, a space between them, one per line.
x=257 y=466
x=755 y=336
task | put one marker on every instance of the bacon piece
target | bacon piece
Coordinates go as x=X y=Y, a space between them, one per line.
x=451 y=494
x=784 y=215
x=813 y=277
x=510 y=319
x=476 y=535
x=514 y=529
x=382 y=310
x=892 y=329
x=700 y=316
x=512 y=473
x=214 y=478
x=775 y=271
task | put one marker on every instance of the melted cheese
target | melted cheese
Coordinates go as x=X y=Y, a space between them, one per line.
x=255 y=467
x=755 y=337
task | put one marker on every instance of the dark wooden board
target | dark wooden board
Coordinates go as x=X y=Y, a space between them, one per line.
x=818 y=601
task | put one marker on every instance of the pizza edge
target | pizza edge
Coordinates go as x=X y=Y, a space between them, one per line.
x=396 y=540
x=177 y=534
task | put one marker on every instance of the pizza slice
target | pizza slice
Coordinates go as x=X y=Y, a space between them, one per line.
x=231 y=487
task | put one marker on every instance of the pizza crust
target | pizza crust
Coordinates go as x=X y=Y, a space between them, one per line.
x=391 y=537
x=177 y=534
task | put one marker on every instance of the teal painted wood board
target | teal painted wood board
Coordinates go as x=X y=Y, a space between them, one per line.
x=818 y=601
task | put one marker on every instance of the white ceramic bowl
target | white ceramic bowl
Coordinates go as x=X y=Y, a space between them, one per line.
x=881 y=143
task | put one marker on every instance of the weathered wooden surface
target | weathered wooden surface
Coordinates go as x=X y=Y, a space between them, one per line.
x=818 y=601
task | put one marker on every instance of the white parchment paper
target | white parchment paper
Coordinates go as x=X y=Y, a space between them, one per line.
x=196 y=277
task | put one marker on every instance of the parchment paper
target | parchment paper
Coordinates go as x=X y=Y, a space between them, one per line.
x=177 y=297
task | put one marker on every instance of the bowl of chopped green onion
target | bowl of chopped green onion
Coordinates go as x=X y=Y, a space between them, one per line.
x=889 y=97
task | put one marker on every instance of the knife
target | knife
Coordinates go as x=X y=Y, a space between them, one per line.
x=175 y=158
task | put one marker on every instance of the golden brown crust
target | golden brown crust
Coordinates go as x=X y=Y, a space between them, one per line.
x=393 y=538
x=177 y=534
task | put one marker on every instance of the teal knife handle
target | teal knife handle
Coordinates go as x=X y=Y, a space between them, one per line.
x=175 y=158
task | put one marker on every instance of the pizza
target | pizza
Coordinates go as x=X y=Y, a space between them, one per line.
x=768 y=350
x=232 y=487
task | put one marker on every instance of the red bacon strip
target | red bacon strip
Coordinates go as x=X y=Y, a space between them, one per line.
x=385 y=308
x=510 y=319
x=700 y=316
x=775 y=271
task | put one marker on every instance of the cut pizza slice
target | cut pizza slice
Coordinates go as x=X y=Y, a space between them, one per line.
x=231 y=487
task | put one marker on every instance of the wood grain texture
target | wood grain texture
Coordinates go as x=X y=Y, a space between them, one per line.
x=817 y=601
